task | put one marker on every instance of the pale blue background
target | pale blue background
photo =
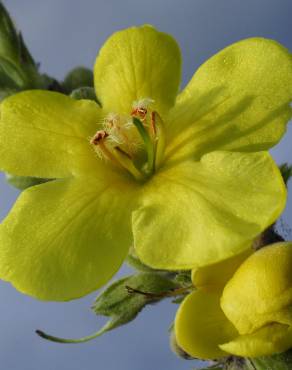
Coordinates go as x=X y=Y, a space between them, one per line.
x=62 y=34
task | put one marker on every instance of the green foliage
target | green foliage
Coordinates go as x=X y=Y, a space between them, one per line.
x=286 y=171
x=282 y=361
x=78 y=77
x=123 y=306
x=17 y=67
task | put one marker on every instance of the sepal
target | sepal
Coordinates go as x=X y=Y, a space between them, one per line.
x=23 y=182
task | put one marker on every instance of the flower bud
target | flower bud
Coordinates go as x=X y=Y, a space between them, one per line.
x=250 y=316
x=78 y=77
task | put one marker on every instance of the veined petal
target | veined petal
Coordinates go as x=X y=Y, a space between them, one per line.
x=200 y=326
x=271 y=339
x=214 y=277
x=260 y=291
x=46 y=134
x=66 y=238
x=199 y=213
x=137 y=63
x=237 y=100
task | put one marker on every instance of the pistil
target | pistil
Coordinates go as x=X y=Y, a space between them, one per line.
x=149 y=145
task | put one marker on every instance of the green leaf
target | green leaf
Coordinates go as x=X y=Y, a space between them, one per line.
x=13 y=71
x=78 y=77
x=9 y=42
x=24 y=182
x=286 y=171
x=15 y=59
x=25 y=55
x=121 y=306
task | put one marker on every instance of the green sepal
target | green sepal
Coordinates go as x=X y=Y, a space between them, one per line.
x=84 y=93
x=78 y=77
x=184 y=278
x=282 y=361
x=121 y=306
x=24 y=182
x=286 y=171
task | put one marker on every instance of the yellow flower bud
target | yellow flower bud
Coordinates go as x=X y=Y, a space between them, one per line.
x=251 y=317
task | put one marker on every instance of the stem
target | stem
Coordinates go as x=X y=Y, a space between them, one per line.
x=159 y=133
x=70 y=340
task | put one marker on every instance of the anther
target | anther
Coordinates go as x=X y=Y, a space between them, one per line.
x=140 y=108
x=98 y=137
x=139 y=112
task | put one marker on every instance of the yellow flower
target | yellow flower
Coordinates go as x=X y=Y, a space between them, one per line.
x=175 y=174
x=251 y=317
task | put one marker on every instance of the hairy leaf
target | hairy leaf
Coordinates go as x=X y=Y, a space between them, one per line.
x=123 y=306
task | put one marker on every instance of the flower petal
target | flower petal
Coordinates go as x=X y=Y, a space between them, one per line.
x=199 y=213
x=238 y=100
x=200 y=326
x=45 y=134
x=214 y=277
x=137 y=63
x=66 y=238
x=271 y=339
x=260 y=291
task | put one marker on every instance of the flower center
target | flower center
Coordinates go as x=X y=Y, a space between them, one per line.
x=135 y=142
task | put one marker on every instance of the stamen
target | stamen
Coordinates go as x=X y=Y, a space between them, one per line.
x=153 y=124
x=127 y=162
x=119 y=130
x=98 y=137
x=147 y=141
x=123 y=135
x=140 y=108
x=98 y=141
x=115 y=154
